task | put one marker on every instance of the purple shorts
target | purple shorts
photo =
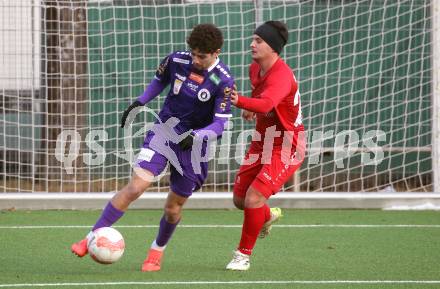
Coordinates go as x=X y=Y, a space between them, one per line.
x=188 y=173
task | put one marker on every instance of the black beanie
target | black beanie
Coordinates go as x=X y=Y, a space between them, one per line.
x=271 y=36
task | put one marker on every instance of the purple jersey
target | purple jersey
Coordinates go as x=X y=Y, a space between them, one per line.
x=197 y=101
x=196 y=98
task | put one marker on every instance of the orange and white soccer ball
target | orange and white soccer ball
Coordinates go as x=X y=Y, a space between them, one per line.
x=106 y=245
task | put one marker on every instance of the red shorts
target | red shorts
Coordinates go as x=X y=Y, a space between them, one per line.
x=267 y=177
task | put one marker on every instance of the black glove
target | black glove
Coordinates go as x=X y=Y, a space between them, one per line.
x=127 y=111
x=187 y=142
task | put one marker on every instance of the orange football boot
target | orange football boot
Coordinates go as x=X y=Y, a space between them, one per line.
x=80 y=248
x=152 y=263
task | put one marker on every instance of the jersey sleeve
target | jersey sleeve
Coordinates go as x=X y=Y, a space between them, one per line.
x=222 y=106
x=163 y=72
x=158 y=84
x=275 y=90
x=153 y=89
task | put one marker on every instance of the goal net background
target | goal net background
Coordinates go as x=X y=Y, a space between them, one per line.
x=68 y=69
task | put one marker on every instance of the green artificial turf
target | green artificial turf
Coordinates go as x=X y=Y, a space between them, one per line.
x=312 y=254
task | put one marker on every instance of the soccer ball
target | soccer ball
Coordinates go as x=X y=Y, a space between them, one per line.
x=105 y=245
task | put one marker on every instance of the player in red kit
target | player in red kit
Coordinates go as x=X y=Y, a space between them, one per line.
x=278 y=146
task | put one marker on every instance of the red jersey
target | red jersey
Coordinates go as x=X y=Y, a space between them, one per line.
x=275 y=100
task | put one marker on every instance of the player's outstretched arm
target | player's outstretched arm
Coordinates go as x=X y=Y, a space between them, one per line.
x=245 y=114
x=252 y=105
x=153 y=90
x=127 y=111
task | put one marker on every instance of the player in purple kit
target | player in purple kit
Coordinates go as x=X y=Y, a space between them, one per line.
x=195 y=111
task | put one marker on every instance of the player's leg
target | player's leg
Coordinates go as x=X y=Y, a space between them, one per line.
x=115 y=208
x=139 y=182
x=258 y=217
x=249 y=200
x=283 y=170
x=167 y=225
x=256 y=213
x=238 y=201
x=245 y=176
x=143 y=173
x=181 y=189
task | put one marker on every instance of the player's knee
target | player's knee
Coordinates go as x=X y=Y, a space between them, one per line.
x=132 y=192
x=254 y=199
x=172 y=212
x=252 y=203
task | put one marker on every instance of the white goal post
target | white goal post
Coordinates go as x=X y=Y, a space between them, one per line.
x=368 y=73
x=435 y=8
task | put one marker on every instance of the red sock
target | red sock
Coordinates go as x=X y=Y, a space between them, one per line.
x=266 y=213
x=254 y=219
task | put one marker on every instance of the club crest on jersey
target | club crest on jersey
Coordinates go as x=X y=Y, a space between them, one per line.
x=196 y=77
x=177 y=85
x=204 y=95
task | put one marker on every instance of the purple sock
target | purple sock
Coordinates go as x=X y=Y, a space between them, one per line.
x=108 y=217
x=165 y=231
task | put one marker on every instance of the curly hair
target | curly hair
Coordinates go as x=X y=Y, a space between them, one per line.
x=205 y=37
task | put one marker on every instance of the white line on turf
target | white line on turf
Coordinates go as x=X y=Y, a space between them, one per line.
x=304 y=282
x=229 y=226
